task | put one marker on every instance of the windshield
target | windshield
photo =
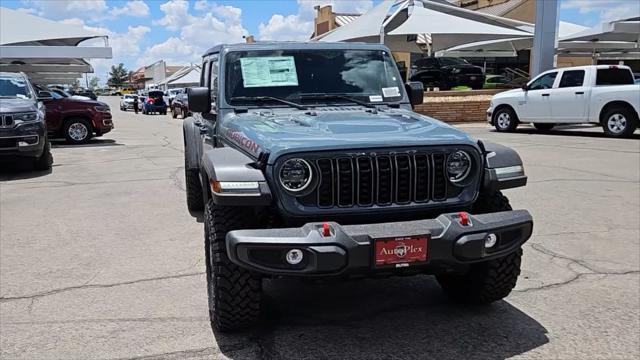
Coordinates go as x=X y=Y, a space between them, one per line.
x=365 y=75
x=14 y=87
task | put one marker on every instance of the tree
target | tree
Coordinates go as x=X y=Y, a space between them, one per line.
x=117 y=75
x=94 y=82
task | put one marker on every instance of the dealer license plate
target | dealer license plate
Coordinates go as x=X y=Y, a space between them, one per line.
x=400 y=251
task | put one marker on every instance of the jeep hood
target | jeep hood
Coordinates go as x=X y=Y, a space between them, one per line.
x=17 y=105
x=282 y=131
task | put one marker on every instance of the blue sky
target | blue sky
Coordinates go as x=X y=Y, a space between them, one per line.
x=144 y=31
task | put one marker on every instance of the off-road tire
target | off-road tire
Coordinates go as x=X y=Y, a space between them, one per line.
x=234 y=293
x=512 y=120
x=544 y=126
x=45 y=160
x=69 y=123
x=193 y=189
x=491 y=202
x=485 y=282
x=631 y=121
x=488 y=281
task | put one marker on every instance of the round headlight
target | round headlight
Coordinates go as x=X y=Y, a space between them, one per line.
x=295 y=175
x=458 y=166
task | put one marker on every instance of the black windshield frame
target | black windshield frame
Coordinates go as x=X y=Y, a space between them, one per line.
x=309 y=69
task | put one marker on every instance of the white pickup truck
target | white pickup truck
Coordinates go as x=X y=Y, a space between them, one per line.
x=599 y=94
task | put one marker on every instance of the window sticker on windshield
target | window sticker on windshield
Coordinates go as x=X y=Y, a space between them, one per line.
x=375 y=98
x=391 y=91
x=269 y=71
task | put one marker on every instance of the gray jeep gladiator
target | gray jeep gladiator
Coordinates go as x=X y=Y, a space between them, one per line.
x=308 y=161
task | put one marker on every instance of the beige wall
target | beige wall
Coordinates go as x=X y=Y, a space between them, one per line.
x=568 y=61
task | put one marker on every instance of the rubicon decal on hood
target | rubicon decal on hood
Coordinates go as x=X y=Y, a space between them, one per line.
x=240 y=139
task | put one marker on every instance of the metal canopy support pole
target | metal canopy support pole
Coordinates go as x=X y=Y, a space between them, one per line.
x=544 y=39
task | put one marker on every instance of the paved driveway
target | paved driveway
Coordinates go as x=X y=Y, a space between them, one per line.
x=100 y=259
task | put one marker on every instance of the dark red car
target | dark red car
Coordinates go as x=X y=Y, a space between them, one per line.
x=76 y=120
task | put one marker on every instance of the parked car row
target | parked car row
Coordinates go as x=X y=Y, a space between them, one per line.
x=32 y=114
x=154 y=101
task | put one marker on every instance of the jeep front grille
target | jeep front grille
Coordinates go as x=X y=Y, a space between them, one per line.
x=381 y=179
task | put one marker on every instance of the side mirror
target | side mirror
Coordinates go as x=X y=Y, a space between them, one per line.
x=44 y=95
x=525 y=88
x=199 y=99
x=415 y=89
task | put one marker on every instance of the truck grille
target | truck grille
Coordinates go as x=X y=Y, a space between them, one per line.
x=6 y=121
x=381 y=179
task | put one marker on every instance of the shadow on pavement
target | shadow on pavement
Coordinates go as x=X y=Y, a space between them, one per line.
x=20 y=171
x=61 y=144
x=392 y=318
x=569 y=130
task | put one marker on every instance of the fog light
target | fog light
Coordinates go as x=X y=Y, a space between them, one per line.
x=294 y=256
x=490 y=240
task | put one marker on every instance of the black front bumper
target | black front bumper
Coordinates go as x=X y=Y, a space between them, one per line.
x=348 y=249
x=24 y=140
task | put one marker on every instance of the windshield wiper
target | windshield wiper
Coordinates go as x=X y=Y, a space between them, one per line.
x=319 y=96
x=268 y=98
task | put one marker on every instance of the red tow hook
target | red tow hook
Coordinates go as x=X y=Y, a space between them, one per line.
x=463 y=218
x=326 y=230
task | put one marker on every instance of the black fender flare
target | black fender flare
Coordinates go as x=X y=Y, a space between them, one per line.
x=503 y=167
x=228 y=165
x=192 y=147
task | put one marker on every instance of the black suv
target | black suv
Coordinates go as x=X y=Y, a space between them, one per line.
x=446 y=73
x=309 y=162
x=23 y=130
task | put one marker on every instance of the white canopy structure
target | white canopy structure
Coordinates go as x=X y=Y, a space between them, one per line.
x=627 y=30
x=504 y=47
x=185 y=77
x=364 y=26
x=450 y=30
x=407 y=21
x=48 y=51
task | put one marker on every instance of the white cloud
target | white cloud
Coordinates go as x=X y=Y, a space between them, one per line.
x=176 y=14
x=136 y=8
x=64 y=9
x=300 y=26
x=90 y=10
x=125 y=45
x=608 y=9
x=290 y=27
x=210 y=25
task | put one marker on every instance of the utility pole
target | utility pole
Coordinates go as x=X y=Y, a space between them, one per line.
x=545 y=36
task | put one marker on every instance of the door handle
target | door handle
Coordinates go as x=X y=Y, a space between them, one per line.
x=579 y=92
x=545 y=94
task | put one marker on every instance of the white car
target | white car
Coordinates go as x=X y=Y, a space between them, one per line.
x=126 y=102
x=598 y=94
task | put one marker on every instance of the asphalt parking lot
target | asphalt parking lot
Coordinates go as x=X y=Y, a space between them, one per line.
x=100 y=259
